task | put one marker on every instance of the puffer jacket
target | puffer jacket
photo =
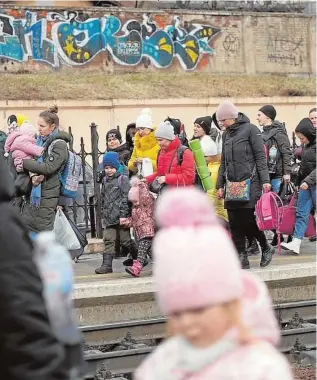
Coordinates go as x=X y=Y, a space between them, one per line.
x=175 y=174
x=123 y=152
x=276 y=135
x=242 y=153
x=42 y=218
x=28 y=347
x=176 y=359
x=144 y=147
x=114 y=199
x=142 y=218
x=307 y=169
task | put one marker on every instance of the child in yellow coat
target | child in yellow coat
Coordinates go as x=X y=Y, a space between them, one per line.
x=212 y=153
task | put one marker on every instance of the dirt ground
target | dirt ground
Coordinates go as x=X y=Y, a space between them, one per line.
x=83 y=85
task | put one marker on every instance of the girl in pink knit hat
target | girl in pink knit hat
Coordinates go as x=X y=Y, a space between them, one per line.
x=142 y=221
x=221 y=317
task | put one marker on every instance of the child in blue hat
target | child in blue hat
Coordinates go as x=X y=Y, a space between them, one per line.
x=115 y=205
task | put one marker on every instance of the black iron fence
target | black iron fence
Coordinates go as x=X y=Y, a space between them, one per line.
x=86 y=208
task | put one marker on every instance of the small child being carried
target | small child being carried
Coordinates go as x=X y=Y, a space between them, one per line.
x=22 y=144
x=142 y=221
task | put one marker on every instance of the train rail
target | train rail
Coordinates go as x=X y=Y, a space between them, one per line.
x=128 y=343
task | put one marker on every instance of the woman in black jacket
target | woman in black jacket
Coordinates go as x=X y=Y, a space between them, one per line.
x=243 y=158
x=28 y=347
x=306 y=180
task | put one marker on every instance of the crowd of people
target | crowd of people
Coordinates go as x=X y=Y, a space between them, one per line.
x=235 y=151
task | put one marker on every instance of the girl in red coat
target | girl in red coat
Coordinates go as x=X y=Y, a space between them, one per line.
x=142 y=221
x=176 y=164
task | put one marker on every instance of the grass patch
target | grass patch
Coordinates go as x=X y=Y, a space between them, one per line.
x=81 y=85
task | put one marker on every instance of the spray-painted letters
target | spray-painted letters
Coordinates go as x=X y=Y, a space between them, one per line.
x=76 y=40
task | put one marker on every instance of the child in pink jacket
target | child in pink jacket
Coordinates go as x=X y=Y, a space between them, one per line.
x=142 y=221
x=220 y=317
x=22 y=143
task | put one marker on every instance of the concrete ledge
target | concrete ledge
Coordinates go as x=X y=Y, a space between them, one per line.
x=145 y=285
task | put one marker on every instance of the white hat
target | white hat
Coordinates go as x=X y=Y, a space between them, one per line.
x=208 y=146
x=144 y=120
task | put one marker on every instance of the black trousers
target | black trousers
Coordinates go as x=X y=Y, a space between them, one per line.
x=243 y=225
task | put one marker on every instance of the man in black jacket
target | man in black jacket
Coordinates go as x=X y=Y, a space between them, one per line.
x=28 y=347
x=279 y=155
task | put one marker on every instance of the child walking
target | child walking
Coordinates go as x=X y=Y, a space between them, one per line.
x=114 y=196
x=142 y=220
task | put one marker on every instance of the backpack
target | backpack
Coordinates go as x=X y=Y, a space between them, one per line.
x=69 y=176
x=269 y=213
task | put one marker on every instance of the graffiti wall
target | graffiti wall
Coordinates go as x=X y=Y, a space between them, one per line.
x=66 y=39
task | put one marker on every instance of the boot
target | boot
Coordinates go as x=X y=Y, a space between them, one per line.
x=266 y=257
x=106 y=266
x=253 y=248
x=243 y=256
x=275 y=240
x=135 y=270
x=128 y=262
x=293 y=246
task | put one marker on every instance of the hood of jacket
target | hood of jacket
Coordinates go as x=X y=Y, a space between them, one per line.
x=60 y=135
x=275 y=127
x=146 y=142
x=119 y=149
x=128 y=137
x=242 y=119
x=6 y=183
x=307 y=128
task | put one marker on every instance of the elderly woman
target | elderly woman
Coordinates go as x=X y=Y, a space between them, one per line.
x=243 y=175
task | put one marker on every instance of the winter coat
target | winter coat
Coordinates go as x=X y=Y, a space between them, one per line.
x=23 y=146
x=114 y=199
x=28 y=347
x=168 y=166
x=307 y=169
x=123 y=152
x=144 y=147
x=275 y=135
x=242 y=152
x=142 y=218
x=42 y=218
x=176 y=359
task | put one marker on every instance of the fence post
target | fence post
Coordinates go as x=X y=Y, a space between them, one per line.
x=83 y=167
x=95 y=163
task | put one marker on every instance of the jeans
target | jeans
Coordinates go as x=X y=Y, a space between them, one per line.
x=306 y=201
x=243 y=225
x=276 y=184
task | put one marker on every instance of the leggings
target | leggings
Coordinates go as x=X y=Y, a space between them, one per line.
x=144 y=249
x=243 y=225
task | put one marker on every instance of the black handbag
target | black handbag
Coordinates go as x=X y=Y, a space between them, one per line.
x=156 y=187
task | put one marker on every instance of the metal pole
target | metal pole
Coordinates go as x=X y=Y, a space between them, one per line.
x=95 y=163
x=83 y=167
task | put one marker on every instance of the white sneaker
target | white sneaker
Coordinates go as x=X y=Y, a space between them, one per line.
x=293 y=246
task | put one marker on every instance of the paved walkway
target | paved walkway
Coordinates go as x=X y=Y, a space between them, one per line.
x=85 y=268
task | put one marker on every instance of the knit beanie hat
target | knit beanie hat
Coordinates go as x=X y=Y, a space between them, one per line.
x=114 y=133
x=165 y=131
x=208 y=146
x=144 y=120
x=134 y=192
x=269 y=111
x=111 y=159
x=21 y=118
x=205 y=123
x=196 y=264
x=227 y=110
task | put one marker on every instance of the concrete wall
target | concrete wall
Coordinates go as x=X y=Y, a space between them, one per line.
x=109 y=114
x=129 y=40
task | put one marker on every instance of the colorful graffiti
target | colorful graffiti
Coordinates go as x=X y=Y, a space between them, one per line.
x=76 y=39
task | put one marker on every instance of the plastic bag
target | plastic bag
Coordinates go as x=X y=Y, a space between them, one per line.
x=76 y=253
x=64 y=232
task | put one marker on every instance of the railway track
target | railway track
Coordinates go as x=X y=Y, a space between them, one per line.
x=128 y=343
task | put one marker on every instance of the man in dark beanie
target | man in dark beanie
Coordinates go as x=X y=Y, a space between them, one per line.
x=279 y=155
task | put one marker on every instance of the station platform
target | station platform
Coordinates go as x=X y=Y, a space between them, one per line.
x=120 y=297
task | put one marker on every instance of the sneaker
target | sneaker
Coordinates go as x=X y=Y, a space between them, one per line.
x=293 y=246
x=135 y=270
x=129 y=262
x=312 y=239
